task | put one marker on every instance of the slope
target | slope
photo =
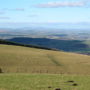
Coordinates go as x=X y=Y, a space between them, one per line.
x=17 y=59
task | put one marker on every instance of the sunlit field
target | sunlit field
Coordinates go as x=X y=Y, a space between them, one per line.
x=43 y=82
x=17 y=59
x=25 y=68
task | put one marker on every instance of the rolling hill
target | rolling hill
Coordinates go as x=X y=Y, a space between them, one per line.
x=77 y=46
x=18 y=59
x=25 y=67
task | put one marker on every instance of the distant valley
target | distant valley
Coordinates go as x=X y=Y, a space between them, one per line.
x=77 y=41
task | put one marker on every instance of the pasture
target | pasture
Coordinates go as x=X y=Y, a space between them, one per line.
x=17 y=59
x=44 y=82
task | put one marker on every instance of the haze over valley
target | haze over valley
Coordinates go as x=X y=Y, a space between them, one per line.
x=71 y=40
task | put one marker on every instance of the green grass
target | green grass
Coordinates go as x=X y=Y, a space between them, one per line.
x=36 y=69
x=42 y=82
x=17 y=59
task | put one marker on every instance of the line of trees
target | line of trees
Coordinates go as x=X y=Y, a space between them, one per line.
x=25 y=45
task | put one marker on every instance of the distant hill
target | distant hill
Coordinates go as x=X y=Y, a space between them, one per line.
x=17 y=59
x=79 y=46
x=6 y=42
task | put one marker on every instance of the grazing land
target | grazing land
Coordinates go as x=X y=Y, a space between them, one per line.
x=43 y=82
x=25 y=68
x=17 y=59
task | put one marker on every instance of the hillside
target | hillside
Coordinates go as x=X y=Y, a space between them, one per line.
x=17 y=59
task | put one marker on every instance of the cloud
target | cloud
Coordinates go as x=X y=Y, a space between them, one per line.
x=61 y=4
x=1 y=12
x=19 y=9
x=33 y=15
x=4 y=17
x=13 y=9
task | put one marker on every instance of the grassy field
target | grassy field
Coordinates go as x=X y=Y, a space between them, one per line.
x=17 y=59
x=24 y=68
x=43 y=82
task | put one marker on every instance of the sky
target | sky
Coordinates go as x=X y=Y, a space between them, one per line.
x=44 y=11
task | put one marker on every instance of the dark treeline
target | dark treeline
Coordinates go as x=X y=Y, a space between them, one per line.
x=76 y=46
x=24 y=45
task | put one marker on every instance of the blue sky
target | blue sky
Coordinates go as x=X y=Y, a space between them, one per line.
x=44 y=11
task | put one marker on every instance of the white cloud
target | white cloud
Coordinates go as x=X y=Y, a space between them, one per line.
x=13 y=9
x=4 y=17
x=1 y=12
x=32 y=15
x=61 y=4
x=19 y=9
